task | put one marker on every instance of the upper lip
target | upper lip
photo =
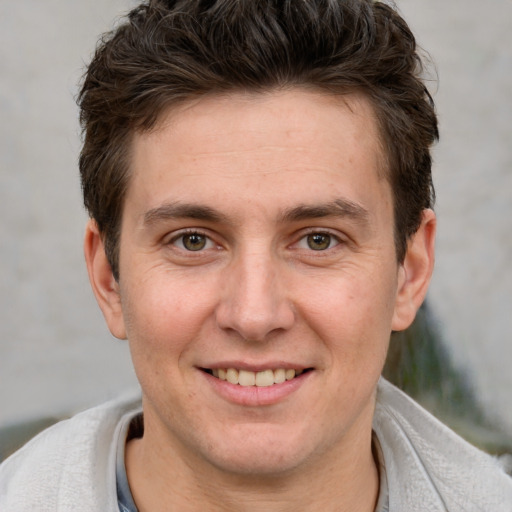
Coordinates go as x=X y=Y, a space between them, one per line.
x=255 y=367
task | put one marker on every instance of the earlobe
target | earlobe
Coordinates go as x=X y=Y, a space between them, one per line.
x=415 y=272
x=104 y=286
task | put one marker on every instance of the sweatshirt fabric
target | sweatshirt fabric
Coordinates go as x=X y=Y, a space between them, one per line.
x=72 y=465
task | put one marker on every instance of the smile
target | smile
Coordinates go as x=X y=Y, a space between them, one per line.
x=260 y=379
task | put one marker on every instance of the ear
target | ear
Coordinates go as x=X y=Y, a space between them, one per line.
x=415 y=272
x=104 y=286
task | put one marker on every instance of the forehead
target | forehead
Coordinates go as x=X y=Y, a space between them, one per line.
x=287 y=144
x=296 y=111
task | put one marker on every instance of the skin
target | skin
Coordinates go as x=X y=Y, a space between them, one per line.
x=257 y=179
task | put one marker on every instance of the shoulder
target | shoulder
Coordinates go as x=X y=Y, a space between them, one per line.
x=70 y=466
x=429 y=467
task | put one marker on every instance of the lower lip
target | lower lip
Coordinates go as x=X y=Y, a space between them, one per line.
x=253 y=395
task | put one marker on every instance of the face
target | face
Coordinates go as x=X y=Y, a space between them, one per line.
x=258 y=279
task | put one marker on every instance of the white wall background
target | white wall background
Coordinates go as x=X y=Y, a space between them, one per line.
x=55 y=353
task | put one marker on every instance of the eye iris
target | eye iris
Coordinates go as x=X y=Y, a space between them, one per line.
x=319 y=241
x=194 y=242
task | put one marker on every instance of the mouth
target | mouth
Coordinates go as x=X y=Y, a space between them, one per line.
x=264 y=378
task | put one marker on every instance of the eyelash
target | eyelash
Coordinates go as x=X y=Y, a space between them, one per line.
x=191 y=232
x=209 y=243
x=333 y=239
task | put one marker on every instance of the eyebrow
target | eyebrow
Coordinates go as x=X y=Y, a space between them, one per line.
x=178 y=210
x=337 y=208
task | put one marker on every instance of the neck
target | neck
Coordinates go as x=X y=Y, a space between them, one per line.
x=342 y=480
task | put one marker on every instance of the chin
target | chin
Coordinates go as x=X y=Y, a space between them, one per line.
x=277 y=465
x=261 y=454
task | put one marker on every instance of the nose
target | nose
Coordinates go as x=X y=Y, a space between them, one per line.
x=254 y=301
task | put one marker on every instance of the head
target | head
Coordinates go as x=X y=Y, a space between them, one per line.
x=170 y=52
x=259 y=178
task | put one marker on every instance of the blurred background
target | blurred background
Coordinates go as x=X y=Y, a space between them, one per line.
x=56 y=355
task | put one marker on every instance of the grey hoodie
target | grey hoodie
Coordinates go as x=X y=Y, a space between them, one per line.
x=424 y=465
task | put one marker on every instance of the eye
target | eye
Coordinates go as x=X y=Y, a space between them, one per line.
x=193 y=242
x=318 y=241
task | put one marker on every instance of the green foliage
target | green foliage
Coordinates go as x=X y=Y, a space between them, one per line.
x=420 y=364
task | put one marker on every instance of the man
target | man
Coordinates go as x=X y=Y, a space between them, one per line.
x=258 y=179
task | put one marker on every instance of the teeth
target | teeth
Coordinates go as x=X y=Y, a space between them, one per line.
x=246 y=378
x=290 y=374
x=264 y=378
x=232 y=376
x=279 y=376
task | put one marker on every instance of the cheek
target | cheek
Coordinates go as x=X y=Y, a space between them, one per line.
x=355 y=300
x=353 y=316
x=164 y=316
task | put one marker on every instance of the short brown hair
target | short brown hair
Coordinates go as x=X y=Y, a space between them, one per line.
x=169 y=51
